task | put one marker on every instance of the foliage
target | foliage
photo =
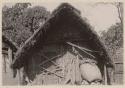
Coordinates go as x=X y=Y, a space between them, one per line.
x=113 y=38
x=21 y=20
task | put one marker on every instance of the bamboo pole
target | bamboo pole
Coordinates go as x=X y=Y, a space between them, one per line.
x=19 y=77
x=105 y=75
x=81 y=48
x=4 y=63
x=10 y=55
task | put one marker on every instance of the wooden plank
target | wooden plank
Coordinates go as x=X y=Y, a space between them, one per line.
x=119 y=67
x=119 y=78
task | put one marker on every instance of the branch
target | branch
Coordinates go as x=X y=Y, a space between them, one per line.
x=119 y=12
x=52 y=72
x=50 y=59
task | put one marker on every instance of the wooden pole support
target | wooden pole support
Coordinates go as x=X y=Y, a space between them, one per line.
x=19 y=77
x=105 y=75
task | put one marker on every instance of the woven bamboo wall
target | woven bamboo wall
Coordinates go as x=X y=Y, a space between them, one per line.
x=118 y=73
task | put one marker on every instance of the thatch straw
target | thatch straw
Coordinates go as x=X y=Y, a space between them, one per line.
x=35 y=41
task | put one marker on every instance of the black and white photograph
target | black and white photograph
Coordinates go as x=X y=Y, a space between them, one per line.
x=62 y=43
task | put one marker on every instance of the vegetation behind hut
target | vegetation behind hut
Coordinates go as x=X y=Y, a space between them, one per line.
x=113 y=40
x=21 y=20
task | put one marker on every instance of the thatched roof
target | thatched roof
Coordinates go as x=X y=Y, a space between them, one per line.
x=10 y=43
x=61 y=15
